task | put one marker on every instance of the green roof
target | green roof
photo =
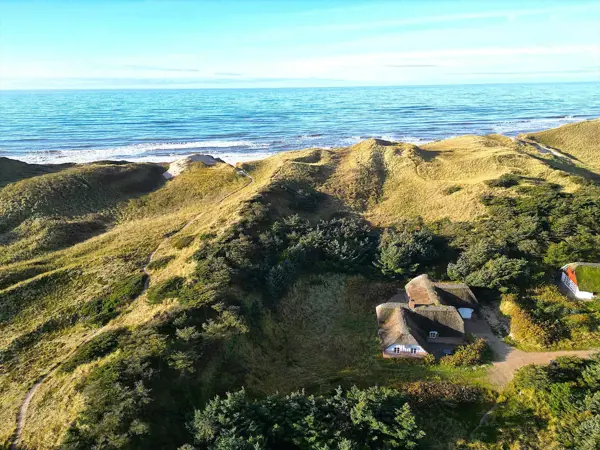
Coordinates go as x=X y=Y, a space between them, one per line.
x=588 y=277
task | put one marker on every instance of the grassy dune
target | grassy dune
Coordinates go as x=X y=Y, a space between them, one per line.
x=579 y=140
x=41 y=299
x=75 y=238
x=388 y=181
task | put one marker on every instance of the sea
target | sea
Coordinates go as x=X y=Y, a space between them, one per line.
x=244 y=124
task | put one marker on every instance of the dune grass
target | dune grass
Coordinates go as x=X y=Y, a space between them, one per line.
x=579 y=140
x=12 y=171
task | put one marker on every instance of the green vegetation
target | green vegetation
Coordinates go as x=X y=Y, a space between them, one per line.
x=182 y=241
x=579 y=140
x=100 y=310
x=98 y=347
x=11 y=170
x=543 y=318
x=160 y=263
x=469 y=354
x=452 y=189
x=505 y=181
x=375 y=418
x=552 y=406
x=588 y=277
x=167 y=289
x=267 y=287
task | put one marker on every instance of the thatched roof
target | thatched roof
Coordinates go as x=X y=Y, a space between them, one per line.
x=422 y=291
x=458 y=295
x=396 y=326
x=444 y=319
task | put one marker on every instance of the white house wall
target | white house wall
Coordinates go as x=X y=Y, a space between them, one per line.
x=405 y=349
x=582 y=295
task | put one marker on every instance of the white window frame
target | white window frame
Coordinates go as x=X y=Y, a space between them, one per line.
x=413 y=351
x=397 y=349
x=433 y=334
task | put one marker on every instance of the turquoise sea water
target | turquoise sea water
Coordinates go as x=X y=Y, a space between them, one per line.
x=242 y=124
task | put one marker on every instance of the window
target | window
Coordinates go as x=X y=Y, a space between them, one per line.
x=396 y=349
x=433 y=334
x=413 y=350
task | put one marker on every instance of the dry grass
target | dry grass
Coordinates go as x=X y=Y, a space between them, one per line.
x=388 y=181
x=579 y=140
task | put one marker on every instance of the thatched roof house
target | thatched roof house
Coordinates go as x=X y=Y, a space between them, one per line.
x=428 y=318
x=428 y=329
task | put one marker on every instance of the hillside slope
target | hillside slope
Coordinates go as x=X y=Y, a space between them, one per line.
x=579 y=140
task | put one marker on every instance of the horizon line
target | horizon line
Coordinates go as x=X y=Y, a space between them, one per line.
x=221 y=88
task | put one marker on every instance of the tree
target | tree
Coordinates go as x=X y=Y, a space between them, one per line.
x=374 y=418
x=499 y=273
x=580 y=247
x=404 y=252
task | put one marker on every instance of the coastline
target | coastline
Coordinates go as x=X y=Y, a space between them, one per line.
x=85 y=156
x=61 y=127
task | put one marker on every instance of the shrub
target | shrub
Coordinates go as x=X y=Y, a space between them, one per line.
x=180 y=242
x=102 y=309
x=359 y=419
x=470 y=354
x=429 y=359
x=580 y=247
x=523 y=328
x=452 y=189
x=403 y=252
x=167 y=289
x=426 y=393
x=504 y=181
x=100 y=346
x=160 y=262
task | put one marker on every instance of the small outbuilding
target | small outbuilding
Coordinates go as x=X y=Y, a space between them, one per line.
x=581 y=279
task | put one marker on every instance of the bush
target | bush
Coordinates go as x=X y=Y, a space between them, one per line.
x=426 y=393
x=102 y=309
x=404 y=252
x=160 y=262
x=167 y=289
x=471 y=354
x=180 y=242
x=100 y=346
x=523 y=328
x=580 y=247
x=505 y=181
x=451 y=189
x=359 y=419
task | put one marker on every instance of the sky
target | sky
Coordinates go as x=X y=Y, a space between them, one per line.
x=114 y=44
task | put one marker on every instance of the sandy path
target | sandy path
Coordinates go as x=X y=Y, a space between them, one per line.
x=509 y=359
x=22 y=413
x=544 y=150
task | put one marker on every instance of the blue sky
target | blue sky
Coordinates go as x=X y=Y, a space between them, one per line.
x=249 y=43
